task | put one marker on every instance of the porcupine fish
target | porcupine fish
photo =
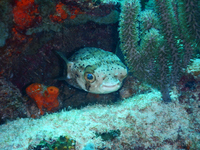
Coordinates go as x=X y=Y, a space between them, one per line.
x=95 y=70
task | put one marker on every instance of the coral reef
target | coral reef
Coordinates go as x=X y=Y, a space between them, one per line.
x=157 y=38
x=144 y=122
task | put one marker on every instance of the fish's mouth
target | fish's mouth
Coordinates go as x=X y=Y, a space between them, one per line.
x=110 y=86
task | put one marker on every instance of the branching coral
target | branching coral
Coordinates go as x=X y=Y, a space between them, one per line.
x=158 y=48
x=44 y=97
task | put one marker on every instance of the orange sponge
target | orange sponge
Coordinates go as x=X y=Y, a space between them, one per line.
x=26 y=14
x=34 y=90
x=63 y=12
x=51 y=95
x=60 y=13
x=43 y=96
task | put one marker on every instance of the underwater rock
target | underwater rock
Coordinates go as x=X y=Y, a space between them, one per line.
x=133 y=86
x=6 y=21
x=73 y=14
x=4 y=34
x=12 y=104
x=188 y=89
x=41 y=67
x=74 y=98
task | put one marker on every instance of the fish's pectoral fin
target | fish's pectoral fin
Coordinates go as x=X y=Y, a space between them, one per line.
x=69 y=70
x=69 y=65
x=62 y=56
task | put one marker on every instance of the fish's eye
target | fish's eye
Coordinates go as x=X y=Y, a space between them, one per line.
x=89 y=77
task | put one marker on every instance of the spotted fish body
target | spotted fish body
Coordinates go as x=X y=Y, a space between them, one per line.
x=95 y=70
